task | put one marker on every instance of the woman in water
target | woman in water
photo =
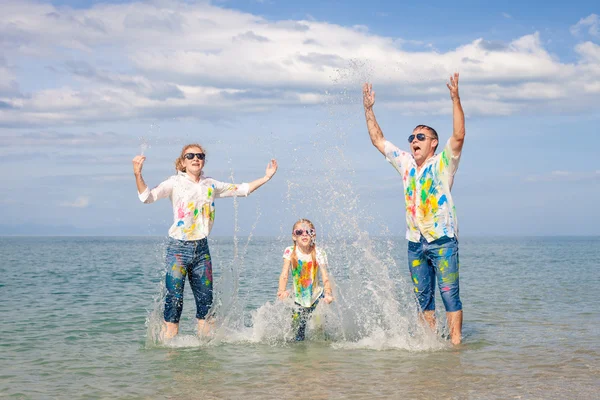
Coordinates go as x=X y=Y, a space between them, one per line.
x=192 y=195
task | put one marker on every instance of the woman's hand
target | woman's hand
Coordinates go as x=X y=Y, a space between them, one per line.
x=271 y=168
x=138 y=163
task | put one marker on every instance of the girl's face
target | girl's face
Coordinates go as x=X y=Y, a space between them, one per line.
x=193 y=165
x=303 y=234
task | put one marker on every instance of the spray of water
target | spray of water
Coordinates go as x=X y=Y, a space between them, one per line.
x=371 y=309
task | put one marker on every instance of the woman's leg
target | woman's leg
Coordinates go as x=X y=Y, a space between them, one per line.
x=201 y=282
x=174 y=283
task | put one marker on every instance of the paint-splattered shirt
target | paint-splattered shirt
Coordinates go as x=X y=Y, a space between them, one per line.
x=193 y=203
x=429 y=207
x=304 y=275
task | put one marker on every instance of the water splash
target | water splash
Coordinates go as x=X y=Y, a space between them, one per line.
x=144 y=145
x=373 y=308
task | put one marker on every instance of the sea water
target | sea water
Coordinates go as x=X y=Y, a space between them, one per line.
x=79 y=315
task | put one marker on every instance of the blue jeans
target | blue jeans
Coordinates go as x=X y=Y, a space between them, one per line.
x=300 y=318
x=189 y=258
x=426 y=261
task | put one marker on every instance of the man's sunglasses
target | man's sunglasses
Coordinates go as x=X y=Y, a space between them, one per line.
x=420 y=137
x=309 y=232
x=190 y=156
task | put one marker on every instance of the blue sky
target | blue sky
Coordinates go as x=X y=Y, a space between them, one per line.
x=85 y=85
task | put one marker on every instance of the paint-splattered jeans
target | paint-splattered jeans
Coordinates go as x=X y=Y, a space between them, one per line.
x=300 y=318
x=427 y=261
x=189 y=258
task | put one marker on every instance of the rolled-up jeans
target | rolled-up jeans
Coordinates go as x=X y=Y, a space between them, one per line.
x=426 y=261
x=189 y=258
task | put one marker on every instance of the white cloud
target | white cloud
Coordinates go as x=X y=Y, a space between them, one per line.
x=63 y=139
x=80 y=202
x=589 y=52
x=506 y=15
x=591 y=23
x=173 y=59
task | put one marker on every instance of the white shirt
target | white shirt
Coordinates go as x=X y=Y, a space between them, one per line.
x=304 y=274
x=193 y=203
x=429 y=206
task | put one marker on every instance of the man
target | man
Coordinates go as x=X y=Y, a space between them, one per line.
x=431 y=224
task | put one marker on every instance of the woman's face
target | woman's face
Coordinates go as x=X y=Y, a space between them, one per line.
x=194 y=165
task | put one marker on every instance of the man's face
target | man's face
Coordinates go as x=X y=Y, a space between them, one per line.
x=422 y=149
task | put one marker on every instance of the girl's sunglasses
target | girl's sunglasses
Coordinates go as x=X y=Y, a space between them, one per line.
x=190 y=156
x=309 y=232
x=420 y=137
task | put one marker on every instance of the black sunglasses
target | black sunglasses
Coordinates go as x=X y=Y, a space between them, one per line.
x=420 y=137
x=300 y=232
x=190 y=156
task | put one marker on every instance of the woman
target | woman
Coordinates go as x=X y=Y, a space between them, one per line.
x=192 y=195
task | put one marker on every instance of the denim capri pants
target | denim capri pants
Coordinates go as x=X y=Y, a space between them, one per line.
x=189 y=258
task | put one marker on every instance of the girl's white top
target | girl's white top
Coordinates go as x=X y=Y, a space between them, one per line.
x=193 y=202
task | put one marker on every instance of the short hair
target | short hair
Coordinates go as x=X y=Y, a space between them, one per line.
x=430 y=129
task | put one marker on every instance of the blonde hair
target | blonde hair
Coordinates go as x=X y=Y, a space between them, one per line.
x=313 y=244
x=179 y=161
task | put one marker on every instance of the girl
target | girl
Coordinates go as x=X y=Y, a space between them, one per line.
x=304 y=259
x=192 y=195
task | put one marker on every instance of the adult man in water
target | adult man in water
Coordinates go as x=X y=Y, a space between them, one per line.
x=431 y=226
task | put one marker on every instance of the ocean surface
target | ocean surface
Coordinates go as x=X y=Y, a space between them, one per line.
x=81 y=316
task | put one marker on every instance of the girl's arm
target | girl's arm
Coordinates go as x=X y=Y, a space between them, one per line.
x=326 y=284
x=283 y=278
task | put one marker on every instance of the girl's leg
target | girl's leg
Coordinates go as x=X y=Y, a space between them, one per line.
x=201 y=282
x=300 y=318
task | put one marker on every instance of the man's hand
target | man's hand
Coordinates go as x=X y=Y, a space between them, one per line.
x=368 y=96
x=453 y=87
x=458 y=117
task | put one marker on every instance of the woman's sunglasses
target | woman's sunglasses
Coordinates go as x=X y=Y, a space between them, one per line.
x=190 y=156
x=420 y=137
x=309 y=232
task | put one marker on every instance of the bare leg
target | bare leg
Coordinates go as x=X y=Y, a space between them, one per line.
x=429 y=317
x=205 y=327
x=455 y=324
x=170 y=329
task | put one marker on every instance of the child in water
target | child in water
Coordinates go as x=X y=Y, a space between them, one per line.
x=304 y=259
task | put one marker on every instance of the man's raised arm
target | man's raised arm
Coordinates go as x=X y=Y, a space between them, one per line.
x=374 y=130
x=458 y=117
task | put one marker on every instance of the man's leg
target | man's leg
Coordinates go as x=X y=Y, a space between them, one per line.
x=455 y=319
x=443 y=254
x=422 y=276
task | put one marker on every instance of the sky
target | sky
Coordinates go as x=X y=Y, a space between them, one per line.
x=87 y=85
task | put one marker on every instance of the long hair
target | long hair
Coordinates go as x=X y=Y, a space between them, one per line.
x=179 y=161
x=313 y=245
